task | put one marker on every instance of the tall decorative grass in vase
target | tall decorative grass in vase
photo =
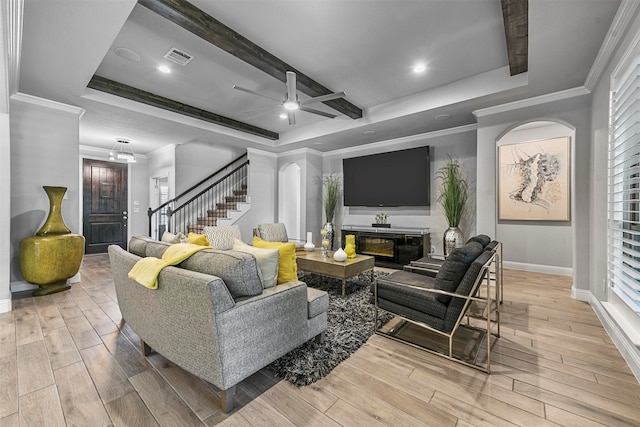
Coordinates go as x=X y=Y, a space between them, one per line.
x=454 y=192
x=332 y=191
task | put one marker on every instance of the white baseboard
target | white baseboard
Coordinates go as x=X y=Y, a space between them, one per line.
x=538 y=268
x=5 y=305
x=21 y=285
x=623 y=343
x=580 y=294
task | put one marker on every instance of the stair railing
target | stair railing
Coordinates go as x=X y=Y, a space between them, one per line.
x=176 y=215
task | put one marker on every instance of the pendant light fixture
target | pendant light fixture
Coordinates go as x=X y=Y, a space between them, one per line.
x=122 y=150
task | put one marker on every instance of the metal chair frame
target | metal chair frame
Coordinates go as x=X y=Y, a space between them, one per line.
x=483 y=277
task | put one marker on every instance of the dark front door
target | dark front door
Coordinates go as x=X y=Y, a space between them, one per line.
x=105 y=210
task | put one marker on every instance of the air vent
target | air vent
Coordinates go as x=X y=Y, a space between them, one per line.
x=178 y=56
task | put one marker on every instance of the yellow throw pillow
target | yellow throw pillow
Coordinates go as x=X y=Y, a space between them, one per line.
x=287 y=266
x=198 y=239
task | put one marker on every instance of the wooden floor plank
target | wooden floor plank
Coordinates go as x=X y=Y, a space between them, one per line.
x=79 y=399
x=28 y=328
x=61 y=348
x=83 y=334
x=42 y=408
x=7 y=335
x=109 y=379
x=163 y=402
x=8 y=386
x=34 y=368
x=199 y=396
x=130 y=410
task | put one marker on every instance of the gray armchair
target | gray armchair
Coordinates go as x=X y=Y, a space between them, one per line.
x=275 y=232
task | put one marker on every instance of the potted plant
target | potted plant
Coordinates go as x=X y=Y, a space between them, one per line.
x=332 y=191
x=453 y=201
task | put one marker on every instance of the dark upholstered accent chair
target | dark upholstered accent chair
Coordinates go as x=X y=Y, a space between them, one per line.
x=429 y=266
x=440 y=303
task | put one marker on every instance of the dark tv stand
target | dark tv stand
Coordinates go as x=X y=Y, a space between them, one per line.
x=391 y=247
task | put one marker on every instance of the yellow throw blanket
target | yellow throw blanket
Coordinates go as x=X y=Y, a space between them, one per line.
x=146 y=270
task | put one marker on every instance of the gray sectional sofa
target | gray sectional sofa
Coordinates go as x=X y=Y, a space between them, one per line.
x=211 y=316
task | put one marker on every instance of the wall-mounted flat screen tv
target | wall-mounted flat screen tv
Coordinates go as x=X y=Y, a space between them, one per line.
x=396 y=178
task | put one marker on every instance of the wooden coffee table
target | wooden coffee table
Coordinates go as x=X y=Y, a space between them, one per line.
x=313 y=262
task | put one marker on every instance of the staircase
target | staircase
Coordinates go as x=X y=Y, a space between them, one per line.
x=220 y=199
x=224 y=213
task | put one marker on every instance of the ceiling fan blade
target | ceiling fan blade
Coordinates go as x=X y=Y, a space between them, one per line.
x=292 y=117
x=320 y=113
x=323 y=98
x=255 y=93
x=291 y=86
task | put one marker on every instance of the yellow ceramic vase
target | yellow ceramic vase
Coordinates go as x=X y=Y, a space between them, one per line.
x=350 y=245
x=54 y=254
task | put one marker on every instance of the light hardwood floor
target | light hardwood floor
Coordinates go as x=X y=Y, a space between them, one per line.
x=63 y=361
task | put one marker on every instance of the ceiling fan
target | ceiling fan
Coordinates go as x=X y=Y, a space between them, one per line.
x=291 y=102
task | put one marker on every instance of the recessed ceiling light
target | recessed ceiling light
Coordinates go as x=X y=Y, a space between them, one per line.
x=419 y=68
x=442 y=117
x=164 y=69
x=128 y=54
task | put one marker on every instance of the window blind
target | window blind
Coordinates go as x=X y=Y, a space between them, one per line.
x=624 y=185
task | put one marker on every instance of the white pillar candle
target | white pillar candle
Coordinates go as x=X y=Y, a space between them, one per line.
x=309 y=236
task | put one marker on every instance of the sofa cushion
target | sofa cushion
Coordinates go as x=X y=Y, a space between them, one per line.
x=138 y=245
x=267 y=259
x=222 y=237
x=156 y=249
x=454 y=267
x=287 y=267
x=238 y=270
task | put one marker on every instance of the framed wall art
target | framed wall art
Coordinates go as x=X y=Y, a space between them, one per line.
x=533 y=180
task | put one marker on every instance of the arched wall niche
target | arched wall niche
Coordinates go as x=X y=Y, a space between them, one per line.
x=539 y=245
x=290 y=199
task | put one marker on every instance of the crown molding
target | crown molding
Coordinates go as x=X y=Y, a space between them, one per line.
x=261 y=153
x=622 y=19
x=304 y=150
x=530 y=102
x=390 y=143
x=42 y=102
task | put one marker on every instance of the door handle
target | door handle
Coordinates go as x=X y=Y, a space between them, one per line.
x=124 y=217
x=124 y=213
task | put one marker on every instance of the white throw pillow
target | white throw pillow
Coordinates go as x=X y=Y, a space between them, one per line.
x=221 y=238
x=267 y=259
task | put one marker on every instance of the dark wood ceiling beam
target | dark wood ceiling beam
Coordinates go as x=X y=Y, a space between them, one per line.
x=515 y=14
x=215 y=32
x=119 y=89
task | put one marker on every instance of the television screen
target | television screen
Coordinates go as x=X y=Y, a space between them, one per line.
x=397 y=178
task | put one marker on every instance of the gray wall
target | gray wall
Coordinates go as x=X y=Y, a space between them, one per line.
x=524 y=239
x=197 y=160
x=44 y=151
x=310 y=162
x=263 y=186
x=460 y=144
x=540 y=245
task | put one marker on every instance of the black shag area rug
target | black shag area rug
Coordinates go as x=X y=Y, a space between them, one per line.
x=350 y=324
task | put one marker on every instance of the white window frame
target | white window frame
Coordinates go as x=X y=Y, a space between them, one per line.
x=623 y=233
